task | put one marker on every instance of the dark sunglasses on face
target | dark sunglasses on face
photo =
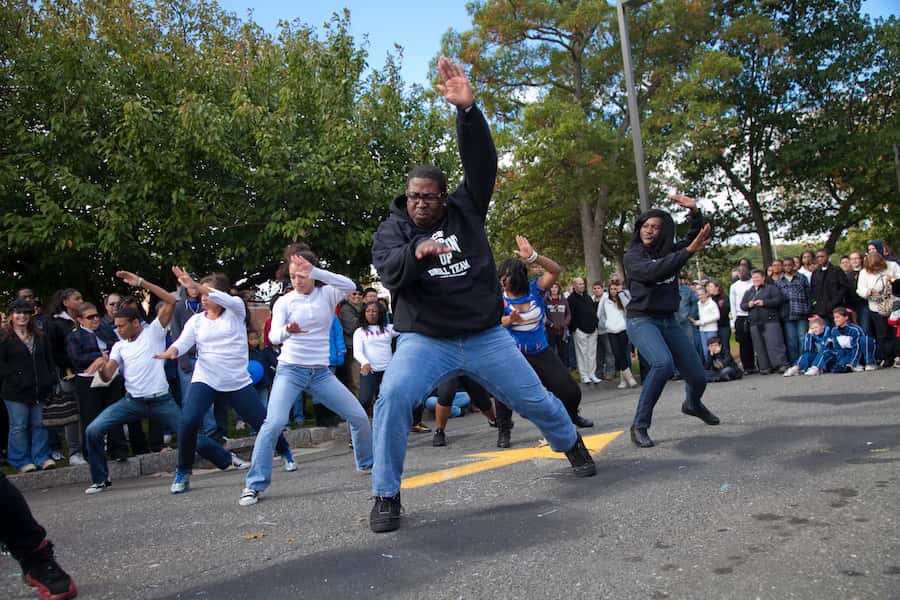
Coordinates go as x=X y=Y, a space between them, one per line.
x=91 y=317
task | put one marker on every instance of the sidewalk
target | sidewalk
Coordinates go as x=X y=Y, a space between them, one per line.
x=157 y=462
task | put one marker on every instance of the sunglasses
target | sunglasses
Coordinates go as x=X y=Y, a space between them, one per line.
x=91 y=317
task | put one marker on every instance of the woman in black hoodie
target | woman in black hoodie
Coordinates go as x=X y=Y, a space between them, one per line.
x=652 y=262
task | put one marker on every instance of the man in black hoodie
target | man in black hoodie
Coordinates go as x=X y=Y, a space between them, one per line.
x=432 y=253
x=652 y=262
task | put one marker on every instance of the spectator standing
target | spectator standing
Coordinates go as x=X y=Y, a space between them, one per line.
x=715 y=291
x=708 y=319
x=558 y=317
x=611 y=316
x=350 y=312
x=829 y=286
x=859 y=305
x=874 y=286
x=741 y=324
x=28 y=376
x=63 y=319
x=605 y=360
x=808 y=265
x=763 y=304
x=883 y=249
x=846 y=267
x=583 y=327
x=795 y=310
x=687 y=309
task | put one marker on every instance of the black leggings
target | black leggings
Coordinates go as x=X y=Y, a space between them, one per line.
x=18 y=529
x=477 y=394
x=886 y=336
x=555 y=377
x=619 y=343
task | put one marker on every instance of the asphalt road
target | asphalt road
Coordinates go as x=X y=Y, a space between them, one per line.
x=795 y=495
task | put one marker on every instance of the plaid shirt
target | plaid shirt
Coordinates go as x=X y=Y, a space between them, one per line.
x=796 y=293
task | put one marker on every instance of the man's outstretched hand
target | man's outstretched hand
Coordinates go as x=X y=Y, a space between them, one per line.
x=431 y=248
x=454 y=84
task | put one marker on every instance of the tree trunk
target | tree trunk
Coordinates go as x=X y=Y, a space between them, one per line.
x=592 y=241
x=762 y=228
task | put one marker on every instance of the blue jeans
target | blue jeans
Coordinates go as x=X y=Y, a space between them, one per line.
x=27 y=436
x=421 y=363
x=290 y=382
x=794 y=333
x=665 y=346
x=209 y=419
x=161 y=409
x=705 y=336
x=200 y=398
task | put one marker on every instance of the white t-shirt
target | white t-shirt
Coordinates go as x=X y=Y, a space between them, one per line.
x=221 y=344
x=371 y=346
x=312 y=312
x=144 y=375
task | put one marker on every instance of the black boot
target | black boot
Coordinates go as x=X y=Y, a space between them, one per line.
x=640 y=438
x=439 y=439
x=580 y=459
x=41 y=571
x=580 y=422
x=701 y=412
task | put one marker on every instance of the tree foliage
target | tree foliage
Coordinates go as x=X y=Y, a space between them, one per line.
x=142 y=134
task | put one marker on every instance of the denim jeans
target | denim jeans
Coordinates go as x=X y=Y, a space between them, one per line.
x=664 y=345
x=209 y=420
x=200 y=397
x=160 y=409
x=27 y=435
x=368 y=388
x=794 y=333
x=705 y=336
x=421 y=363
x=290 y=382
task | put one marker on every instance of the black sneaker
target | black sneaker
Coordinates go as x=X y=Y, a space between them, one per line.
x=385 y=515
x=701 y=412
x=439 y=438
x=581 y=422
x=40 y=570
x=580 y=459
x=503 y=438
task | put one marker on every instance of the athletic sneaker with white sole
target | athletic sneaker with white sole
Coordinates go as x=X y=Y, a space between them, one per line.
x=98 y=487
x=239 y=463
x=795 y=370
x=181 y=484
x=249 y=497
x=812 y=371
x=290 y=464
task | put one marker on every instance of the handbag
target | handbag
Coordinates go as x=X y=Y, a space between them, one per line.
x=61 y=407
x=883 y=302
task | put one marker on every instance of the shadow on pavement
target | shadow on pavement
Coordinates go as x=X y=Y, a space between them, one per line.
x=838 y=399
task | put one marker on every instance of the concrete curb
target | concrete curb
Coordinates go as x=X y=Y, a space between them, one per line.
x=157 y=462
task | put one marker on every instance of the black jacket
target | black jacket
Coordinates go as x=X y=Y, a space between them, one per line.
x=720 y=361
x=451 y=294
x=828 y=289
x=57 y=333
x=770 y=311
x=584 y=313
x=82 y=347
x=27 y=378
x=652 y=271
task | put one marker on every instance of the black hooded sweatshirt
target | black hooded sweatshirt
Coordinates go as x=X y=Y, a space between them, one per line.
x=450 y=294
x=652 y=271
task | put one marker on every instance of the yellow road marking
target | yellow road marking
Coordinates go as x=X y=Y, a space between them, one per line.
x=502 y=458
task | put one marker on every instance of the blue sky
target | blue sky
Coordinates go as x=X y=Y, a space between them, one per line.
x=415 y=25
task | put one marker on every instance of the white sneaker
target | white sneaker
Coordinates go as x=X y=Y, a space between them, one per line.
x=871 y=367
x=167 y=438
x=98 y=487
x=181 y=484
x=77 y=459
x=585 y=380
x=239 y=463
x=858 y=369
x=249 y=497
x=795 y=370
x=57 y=455
x=813 y=371
x=595 y=379
x=622 y=384
x=290 y=465
x=897 y=363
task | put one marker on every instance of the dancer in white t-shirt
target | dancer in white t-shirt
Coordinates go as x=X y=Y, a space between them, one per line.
x=220 y=335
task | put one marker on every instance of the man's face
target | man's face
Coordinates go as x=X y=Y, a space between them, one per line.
x=26 y=294
x=578 y=285
x=355 y=297
x=714 y=349
x=788 y=265
x=598 y=290
x=776 y=268
x=758 y=279
x=807 y=258
x=856 y=261
x=822 y=259
x=370 y=297
x=425 y=203
x=127 y=328
x=743 y=272
x=845 y=264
